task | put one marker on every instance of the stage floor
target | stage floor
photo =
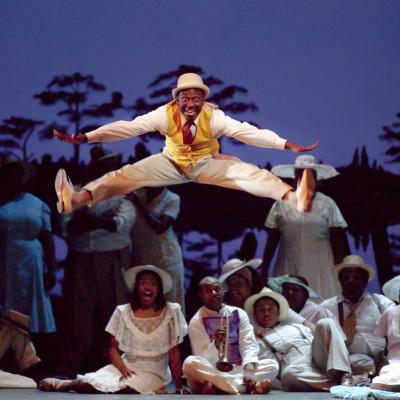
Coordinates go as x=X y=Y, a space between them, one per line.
x=33 y=394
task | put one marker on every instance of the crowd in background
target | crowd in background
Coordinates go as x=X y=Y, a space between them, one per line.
x=310 y=326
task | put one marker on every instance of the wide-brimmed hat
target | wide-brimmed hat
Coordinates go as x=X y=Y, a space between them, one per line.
x=324 y=171
x=234 y=265
x=353 y=261
x=190 y=81
x=99 y=153
x=278 y=282
x=265 y=292
x=131 y=274
x=391 y=289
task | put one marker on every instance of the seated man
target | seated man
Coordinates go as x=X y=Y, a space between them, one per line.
x=14 y=336
x=307 y=362
x=389 y=327
x=297 y=291
x=223 y=333
x=358 y=312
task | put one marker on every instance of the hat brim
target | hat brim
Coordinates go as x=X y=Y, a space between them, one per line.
x=131 y=274
x=312 y=294
x=254 y=264
x=204 y=88
x=339 y=267
x=282 y=302
x=391 y=289
x=287 y=171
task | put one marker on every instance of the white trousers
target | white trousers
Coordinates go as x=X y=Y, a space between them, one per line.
x=199 y=369
x=219 y=170
x=310 y=367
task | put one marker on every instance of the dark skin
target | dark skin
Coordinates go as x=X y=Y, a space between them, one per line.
x=239 y=289
x=337 y=236
x=159 y=223
x=148 y=287
x=354 y=281
x=12 y=177
x=296 y=295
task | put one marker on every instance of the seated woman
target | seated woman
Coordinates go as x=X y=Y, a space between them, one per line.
x=389 y=327
x=148 y=331
x=307 y=362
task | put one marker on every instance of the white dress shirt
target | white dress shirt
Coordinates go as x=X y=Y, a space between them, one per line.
x=368 y=312
x=204 y=347
x=157 y=121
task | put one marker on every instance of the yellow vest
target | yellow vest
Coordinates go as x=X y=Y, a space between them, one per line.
x=204 y=144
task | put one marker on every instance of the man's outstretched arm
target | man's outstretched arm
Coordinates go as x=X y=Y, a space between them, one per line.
x=120 y=130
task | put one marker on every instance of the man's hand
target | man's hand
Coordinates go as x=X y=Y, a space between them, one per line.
x=297 y=148
x=75 y=138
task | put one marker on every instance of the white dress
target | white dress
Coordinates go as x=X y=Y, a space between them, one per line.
x=305 y=247
x=145 y=343
x=389 y=326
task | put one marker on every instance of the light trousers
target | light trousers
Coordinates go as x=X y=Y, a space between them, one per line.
x=311 y=367
x=159 y=170
x=199 y=369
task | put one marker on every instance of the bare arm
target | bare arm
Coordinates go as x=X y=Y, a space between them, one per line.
x=47 y=242
x=159 y=223
x=274 y=236
x=339 y=243
x=116 y=359
x=176 y=367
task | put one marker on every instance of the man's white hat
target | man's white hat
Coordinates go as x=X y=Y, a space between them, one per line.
x=131 y=274
x=265 y=292
x=391 y=289
x=353 y=261
x=235 y=264
x=324 y=171
x=190 y=81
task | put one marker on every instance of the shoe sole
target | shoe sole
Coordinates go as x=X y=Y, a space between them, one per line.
x=61 y=177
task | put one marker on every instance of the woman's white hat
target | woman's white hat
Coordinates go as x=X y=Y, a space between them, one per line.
x=391 y=289
x=278 y=282
x=353 y=261
x=265 y=292
x=190 y=81
x=131 y=274
x=324 y=171
x=235 y=264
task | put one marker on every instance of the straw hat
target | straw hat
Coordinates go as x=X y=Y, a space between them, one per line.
x=131 y=274
x=391 y=289
x=235 y=264
x=265 y=292
x=324 y=171
x=190 y=81
x=353 y=261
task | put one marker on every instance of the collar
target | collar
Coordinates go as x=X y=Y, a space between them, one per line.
x=183 y=119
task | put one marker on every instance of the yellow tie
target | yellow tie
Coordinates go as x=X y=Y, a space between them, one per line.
x=350 y=324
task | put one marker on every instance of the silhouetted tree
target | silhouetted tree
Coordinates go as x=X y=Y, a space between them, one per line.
x=73 y=92
x=17 y=132
x=392 y=135
x=366 y=196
